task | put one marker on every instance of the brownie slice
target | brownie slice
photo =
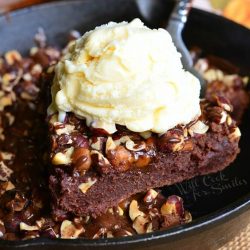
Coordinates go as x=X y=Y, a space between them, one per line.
x=92 y=171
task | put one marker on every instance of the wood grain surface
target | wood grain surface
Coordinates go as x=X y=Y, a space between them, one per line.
x=242 y=239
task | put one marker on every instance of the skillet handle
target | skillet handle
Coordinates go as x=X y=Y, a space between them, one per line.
x=181 y=10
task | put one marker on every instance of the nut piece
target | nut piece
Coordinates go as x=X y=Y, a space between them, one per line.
x=120 y=158
x=84 y=187
x=12 y=56
x=6 y=156
x=5 y=172
x=110 y=145
x=201 y=65
x=224 y=103
x=150 y=196
x=10 y=117
x=25 y=227
x=69 y=231
x=63 y=158
x=122 y=140
x=81 y=159
x=5 y=101
x=187 y=217
x=173 y=205
x=213 y=75
x=97 y=145
x=223 y=117
x=198 y=128
x=40 y=222
x=134 y=211
x=140 y=224
x=235 y=134
x=66 y=130
x=130 y=145
x=6 y=186
x=101 y=157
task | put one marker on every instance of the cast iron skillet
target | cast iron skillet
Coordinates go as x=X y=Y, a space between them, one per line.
x=219 y=203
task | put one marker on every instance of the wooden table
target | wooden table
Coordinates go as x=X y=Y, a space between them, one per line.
x=242 y=240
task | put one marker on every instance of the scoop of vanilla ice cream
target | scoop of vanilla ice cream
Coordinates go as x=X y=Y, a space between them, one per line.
x=127 y=74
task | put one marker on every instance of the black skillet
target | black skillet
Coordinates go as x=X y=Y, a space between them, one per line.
x=219 y=203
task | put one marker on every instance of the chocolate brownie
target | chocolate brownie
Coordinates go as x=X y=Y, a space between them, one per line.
x=92 y=171
x=24 y=194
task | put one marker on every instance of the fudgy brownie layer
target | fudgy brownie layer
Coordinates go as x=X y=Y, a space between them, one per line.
x=205 y=146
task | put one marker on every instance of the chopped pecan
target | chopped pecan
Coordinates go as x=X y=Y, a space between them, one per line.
x=26 y=227
x=140 y=223
x=120 y=158
x=198 y=128
x=63 y=158
x=69 y=230
x=150 y=196
x=5 y=172
x=173 y=205
x=81 y=159
x=134 y=211
x=84 y=187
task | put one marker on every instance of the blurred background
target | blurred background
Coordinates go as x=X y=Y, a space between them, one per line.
x=236 y=10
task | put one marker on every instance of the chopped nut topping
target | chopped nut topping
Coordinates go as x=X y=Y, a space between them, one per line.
x=110 y=145
x=99 y=233
x=201 y=65
x=229 y=120
x=27 y=77
x=6 y=156
x=40 y=222
x=130 y=145
x=6 y=186
x=139 y=224
x=10 y=117
x=25 y=227
x=36 y=69
x=235 y=134
x=100 y=157
x=69 y=230
x=173 y=205
x=223 y=117
x=96 y=145
x=150 y=196
x=63 y=158
x=33 y=51
x=149 y=228
x=5 y=172
x=12 y=56
x=198 y=128
x=187 y=217
x=134 y=211
x=5 y=101
x=213 y=75
x=66 y=130
x=26 y=96
x=122 y=140
x=84 y=187
x=2 y=137
x=81 y=159
x=224 y=103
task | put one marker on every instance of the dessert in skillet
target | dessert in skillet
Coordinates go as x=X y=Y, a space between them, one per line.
x=126 y=117
x=24 y=208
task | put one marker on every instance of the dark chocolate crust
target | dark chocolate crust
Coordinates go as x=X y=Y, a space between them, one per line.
x=201 y=152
